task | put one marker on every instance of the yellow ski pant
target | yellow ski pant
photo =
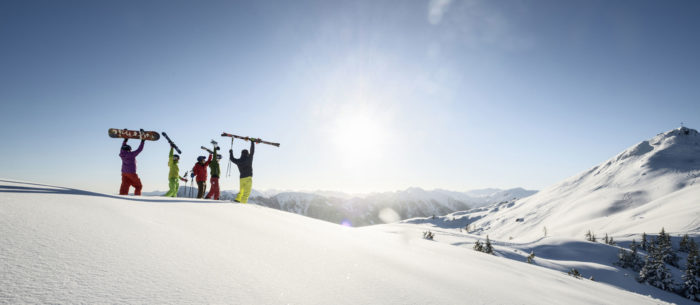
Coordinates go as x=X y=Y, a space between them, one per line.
x=246 y=186
x=174 y=185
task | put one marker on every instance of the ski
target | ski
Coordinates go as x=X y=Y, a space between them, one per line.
x=171 y=142
x=250 y=139
x=207 y=149
x=133 y=134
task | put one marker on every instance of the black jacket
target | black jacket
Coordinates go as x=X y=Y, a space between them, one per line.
x=245 y=163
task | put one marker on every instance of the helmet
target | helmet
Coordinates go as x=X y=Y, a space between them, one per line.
x=126 y=147
x=200 y=158
x=176 y=157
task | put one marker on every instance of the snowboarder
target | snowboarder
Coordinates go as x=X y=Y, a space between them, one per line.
x=215 y=173
x=200 y=171
x=245 y=167
x=129 y=176
x=174 y=174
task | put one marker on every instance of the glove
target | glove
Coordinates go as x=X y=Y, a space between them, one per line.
x=192 y=175
x=258 y=140
x=247 y=138
x=230 y=150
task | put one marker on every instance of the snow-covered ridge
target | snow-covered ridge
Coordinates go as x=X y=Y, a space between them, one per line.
x=650 y=185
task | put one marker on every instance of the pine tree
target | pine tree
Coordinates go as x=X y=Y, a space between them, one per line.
x=685 y=244
x=590 y=236
x=478 y=246
x=531 y=257
x=693 y=250
x=629 y=259
x=609 y=240
x=663 y=245
x=691 y=287
x=624 y=259
x=573 y=272
x=488 y=248
x=635 y=261
x=654 y=271
x=644 y=244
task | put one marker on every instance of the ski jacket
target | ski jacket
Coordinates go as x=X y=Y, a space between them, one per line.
x=129 y=159
x=214 y=167
x=174 y=168
x=200 y=170
x=245 y=163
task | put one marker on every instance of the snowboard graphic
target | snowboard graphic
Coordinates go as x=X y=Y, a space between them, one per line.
x=133 y=134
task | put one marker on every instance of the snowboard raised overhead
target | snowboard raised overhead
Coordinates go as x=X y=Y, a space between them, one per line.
x=133 y=134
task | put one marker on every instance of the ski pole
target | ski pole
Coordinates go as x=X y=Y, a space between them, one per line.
x=228 y=169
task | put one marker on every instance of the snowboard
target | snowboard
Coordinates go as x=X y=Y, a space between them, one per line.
x=133 y=134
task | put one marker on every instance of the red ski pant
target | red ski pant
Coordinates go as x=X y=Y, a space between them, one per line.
x=214 y=190
x=129 y=180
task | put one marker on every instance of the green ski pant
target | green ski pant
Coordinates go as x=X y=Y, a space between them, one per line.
x=174 y=185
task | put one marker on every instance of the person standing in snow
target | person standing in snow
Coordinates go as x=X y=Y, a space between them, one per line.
x=245 y=167
x=129 y=176
x=200 y=172
x=215 y=172
x=174 y=174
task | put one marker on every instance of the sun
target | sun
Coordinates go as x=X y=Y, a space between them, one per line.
x=358 y=138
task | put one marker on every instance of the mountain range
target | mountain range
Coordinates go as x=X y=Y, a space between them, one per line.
x=364 y=209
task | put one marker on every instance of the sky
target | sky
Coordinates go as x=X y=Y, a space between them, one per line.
x=363 y=96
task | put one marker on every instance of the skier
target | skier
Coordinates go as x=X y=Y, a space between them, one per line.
x=245 y=167
x=215 y=172
x=129 y=176
x=200 y=171
x=174 y=174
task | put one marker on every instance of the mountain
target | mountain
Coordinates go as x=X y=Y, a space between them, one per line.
x=650 y=185
x=364 y=209
x=67 y=246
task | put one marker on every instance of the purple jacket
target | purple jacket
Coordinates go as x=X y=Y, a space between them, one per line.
x=129 y=159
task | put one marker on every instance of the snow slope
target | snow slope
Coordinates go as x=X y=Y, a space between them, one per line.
x=646 y=187
x=60 y=245
x=595 y=260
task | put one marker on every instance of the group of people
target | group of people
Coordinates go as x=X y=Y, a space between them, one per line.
x=199 y=172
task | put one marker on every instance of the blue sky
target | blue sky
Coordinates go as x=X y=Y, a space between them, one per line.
x=363 y=95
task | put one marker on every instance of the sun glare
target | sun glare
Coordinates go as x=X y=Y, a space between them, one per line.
x=358 y=138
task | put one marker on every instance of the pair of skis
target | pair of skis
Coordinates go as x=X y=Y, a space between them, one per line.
x=256 y=140
x=216 y=146
x=233 y=136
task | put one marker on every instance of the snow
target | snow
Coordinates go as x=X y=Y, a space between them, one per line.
x=646 y=187
x=61 y=245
